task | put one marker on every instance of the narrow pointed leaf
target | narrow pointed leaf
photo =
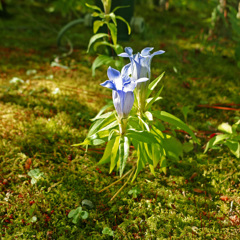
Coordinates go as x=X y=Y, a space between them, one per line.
x=93 y=7
x=234 y=147
x=142 y=136
x=107 y=153
x=101 y=60
x=154 y=99
x=114 y=154
x=96 y=25
x=167 y=117
x=123 y=153
x=113 y=17
x=94 y=38
x=102 y=110
x=128 y=26
x=154 y=83
x=113 y=31
x=116 y=8
x=215 y=140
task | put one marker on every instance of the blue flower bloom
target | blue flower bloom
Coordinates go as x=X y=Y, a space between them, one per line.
x=123 y=87
x=140 y=62
x=140 y=67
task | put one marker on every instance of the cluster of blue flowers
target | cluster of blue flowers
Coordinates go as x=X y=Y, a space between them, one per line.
x=135 y=76
x=133 y=87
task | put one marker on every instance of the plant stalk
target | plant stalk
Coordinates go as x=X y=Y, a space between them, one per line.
x=115 y=182
x=122 y=186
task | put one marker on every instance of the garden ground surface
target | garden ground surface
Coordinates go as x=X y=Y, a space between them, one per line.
x=198 y=197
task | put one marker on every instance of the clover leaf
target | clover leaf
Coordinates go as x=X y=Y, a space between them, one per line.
x=76 y=214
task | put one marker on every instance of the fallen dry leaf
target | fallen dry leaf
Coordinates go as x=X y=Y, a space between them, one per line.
x=28 y=163
x=197 y=190
x=224 y=198
x=193 y=176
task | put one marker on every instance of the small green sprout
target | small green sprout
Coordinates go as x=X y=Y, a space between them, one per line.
x=36 y=175
x=108 y=231
x=76 y=214
x=135 y=191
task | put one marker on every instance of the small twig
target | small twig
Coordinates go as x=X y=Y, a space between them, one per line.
x=2 y=202
x=122 y=186
x=230 y=175
x=115 y=182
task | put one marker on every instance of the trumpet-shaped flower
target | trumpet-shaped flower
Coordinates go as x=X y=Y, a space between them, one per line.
x=123 y=87
x=139 y=67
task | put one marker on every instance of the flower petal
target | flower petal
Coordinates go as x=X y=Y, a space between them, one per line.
x=109 y=84
x=123 y=54
x=142 y=80
x=146 y=51
x=128 y=103
x=117 y=103
x=129 y=87
x=113 y=73
x=136 y=69
x=157 y=53
x=128 y=50
x=126 y=71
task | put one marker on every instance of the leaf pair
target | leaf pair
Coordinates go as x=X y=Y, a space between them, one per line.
x=77 y=214
x=230 y=138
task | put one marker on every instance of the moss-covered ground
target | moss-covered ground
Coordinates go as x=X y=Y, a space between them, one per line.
x=198 y=197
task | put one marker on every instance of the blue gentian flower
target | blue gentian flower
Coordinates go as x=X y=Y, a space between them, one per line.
x=123 y=87
x=140 y=62
x=140 y=67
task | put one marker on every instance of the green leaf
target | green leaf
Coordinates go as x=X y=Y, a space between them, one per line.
x=234 y=147
x=142 y=136
x=96 y=25
x=107 y=153
x=149 y=116
x=99 y=129
x=101 y=60
x=140 y=161
x=187 y=147
x=93 y=7
x=113 y=30
x=102 y=110
x=236 y=127
x=36 y=175
x=116 y=8
x=95 y=14
x=150 y=101
x=225 y=127
x=172 y=147
x=123 y=153
x=107 y=231
x=134 y=192
x=167 y=117
x=157 y=154
x=154 y=83
x=94 y=38
x=84 y=214
x=163 y=164
x=101 y=123
x=144 y=123
x=102 y=43
x=114 y=154
x=113 y=17
x=76 y=214
x=215 y=140
x=128 y=26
